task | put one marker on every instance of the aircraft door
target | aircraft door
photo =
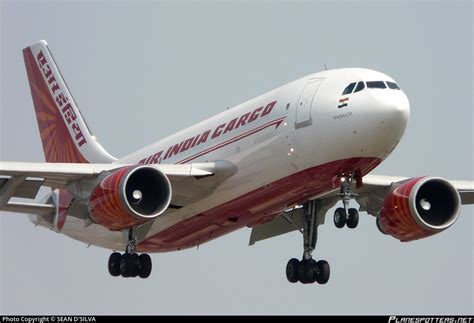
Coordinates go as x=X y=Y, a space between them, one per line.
x=305 y=103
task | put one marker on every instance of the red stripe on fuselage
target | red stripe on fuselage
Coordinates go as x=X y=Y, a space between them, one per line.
x=276 y=122
x=240 y=212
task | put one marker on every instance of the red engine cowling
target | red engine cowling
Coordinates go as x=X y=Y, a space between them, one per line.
x=419 y=208
x=130 y=196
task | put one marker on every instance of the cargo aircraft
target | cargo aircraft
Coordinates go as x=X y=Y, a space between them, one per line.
x=275 y=164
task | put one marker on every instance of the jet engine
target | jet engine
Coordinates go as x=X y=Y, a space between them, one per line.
x=419 y=208
x=130 y=196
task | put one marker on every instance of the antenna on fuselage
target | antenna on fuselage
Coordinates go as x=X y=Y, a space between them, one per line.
x=325 y=67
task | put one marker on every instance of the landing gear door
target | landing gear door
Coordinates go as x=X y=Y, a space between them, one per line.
x=305 y=103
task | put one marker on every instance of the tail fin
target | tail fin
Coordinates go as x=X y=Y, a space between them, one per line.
x=64 y=133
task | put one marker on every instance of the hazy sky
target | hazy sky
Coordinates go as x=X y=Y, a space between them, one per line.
x=140 y=71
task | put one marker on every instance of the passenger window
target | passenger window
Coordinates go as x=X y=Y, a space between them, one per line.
x=360 y=86
x=393 y=85
x=348 y=89
x=376 y=85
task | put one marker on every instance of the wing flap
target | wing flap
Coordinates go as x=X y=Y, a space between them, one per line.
x=466 y=190
x=290 y=220
x=467 y=197
x=282 y=224
x=27 y=189
x=30 y=208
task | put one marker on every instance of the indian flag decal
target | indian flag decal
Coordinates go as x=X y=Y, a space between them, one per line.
x=343 y=103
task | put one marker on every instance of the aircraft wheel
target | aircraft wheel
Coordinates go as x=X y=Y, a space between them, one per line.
x=145 y=265
x=114 y=264
x=292 y=270
x=352 y=219
x=307 y=272
x=339 y=217
x=323 y=272
x=125 y=265
x=133 y=265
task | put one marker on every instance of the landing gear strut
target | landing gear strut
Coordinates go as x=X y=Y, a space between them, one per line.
x=346 y=216
x=308 y=270
x=130 y=264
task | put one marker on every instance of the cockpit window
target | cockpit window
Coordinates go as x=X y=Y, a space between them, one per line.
x=376 y=85
x=393 y=85
x=348 y=89
x=360 y=86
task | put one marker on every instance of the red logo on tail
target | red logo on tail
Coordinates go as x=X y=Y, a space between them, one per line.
x=58 y=146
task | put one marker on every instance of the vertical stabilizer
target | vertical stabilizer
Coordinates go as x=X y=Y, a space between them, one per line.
x=64 y=132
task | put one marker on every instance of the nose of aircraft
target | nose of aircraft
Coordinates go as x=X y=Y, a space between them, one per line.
x=383 y=121
x=400 y=105
x=394 y=109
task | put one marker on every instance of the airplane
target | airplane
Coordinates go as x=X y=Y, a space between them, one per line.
x=276 y=164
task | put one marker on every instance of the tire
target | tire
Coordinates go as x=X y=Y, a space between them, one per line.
x=292 y=270
x=324 y=271
x=307 y=271
x=352 y=219
x=314 y=271
x=145 y=265
x=339 y=217
x=133 y=265
x=114 y=264
x=125 y=265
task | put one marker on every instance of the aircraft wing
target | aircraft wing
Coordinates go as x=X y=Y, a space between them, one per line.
x=23 y=180
x=373 y=182
x=370 y=198
x=376 y=187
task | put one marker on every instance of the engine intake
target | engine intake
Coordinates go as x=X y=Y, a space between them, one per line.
x=419 y=208
x=130 y=196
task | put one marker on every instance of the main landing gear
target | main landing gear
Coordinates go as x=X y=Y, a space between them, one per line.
x=130 y=264
x=345 y=216
x=308 y=270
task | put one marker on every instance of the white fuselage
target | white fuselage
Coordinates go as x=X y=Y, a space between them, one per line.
x=305 y=128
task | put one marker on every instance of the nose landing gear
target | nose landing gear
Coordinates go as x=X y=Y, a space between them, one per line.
x=346 y=216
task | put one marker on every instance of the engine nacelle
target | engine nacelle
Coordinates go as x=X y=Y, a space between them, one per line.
x=130 y=196
x=419 y=208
